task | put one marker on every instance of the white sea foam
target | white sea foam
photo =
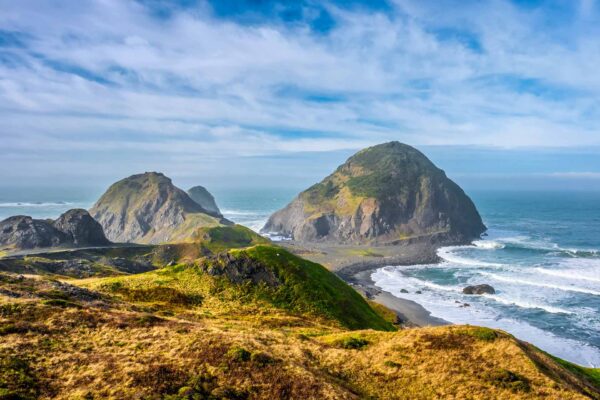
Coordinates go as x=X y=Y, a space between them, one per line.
x=514 y=280
x=240 y=212
x=488 y=244
x=447 y=254
x=525 y=304
x=35 y=204
x=443 y=304
x=574 y=274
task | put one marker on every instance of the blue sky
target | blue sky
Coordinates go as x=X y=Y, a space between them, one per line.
x=499 y=93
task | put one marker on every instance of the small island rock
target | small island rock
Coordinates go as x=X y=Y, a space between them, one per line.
x=479 y=289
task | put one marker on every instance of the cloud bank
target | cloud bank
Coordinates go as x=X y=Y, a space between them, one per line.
x=135 y=84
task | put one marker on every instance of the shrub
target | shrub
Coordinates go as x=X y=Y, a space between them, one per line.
x=16 y=379
x=509 y=380
x=261 y=359
x=392 y=364
x=485 y=334
x=60 y=303
x=352 y=342
x=238 y=354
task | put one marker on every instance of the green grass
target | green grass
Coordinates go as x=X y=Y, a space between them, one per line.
x=310 y=288
x=220 y=238
x=591 y=374
x=295 y=285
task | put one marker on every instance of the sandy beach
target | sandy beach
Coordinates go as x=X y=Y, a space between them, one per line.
x=410 y=312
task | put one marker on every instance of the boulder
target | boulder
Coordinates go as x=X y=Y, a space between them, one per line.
x=479 y=289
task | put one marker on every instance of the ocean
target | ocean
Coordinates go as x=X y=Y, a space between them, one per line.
x=542 y=256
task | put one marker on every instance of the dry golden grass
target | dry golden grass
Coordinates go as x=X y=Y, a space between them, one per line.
x=60 y=343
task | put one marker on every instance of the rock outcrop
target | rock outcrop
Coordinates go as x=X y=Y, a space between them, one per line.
x=75 y=228
x=81 y=229
x=385 y=194
x=479 y=289
x=148 y=208
x=203 y=197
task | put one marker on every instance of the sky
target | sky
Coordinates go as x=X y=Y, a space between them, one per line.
x=499 y=93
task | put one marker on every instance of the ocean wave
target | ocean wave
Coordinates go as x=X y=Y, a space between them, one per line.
x=541 y=284
x=420 y=284
x=581 y=274
x=241 y=213
x=523 y=304
x=442 y=304
x=488 y=244
x=527 y=243
x=35 y=204
x=446 y=253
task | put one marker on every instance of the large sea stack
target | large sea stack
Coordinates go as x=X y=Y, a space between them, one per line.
x=148 y=208
x=385 y=194
x=74 y=228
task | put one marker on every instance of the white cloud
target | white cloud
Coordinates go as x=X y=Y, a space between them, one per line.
x=196 y=85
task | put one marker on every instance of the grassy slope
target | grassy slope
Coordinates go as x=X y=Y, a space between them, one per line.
x=178 y=333
x=310 y=288
x=306 y=289
x=66 y=347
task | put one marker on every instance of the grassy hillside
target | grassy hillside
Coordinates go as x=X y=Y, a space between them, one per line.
x=289 y=283
x=138 y=341
x=247 y=323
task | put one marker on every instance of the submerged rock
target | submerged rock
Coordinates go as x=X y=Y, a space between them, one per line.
x=386 y=194
x=479 y=289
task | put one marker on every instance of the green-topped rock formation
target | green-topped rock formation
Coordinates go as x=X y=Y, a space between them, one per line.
x=385 y=194
x=148 y=208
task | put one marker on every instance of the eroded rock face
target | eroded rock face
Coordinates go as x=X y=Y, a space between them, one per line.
x=24 y=232
x=239 y=269
x=81 y=228
x=384 y=194
x=148 y=208
x=479 y=289
x=203 y=197
x=73 y=228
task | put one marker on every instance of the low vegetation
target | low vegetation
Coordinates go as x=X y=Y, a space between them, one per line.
x=249 y=323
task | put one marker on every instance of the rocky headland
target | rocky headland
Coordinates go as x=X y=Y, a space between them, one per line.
x=148 y=208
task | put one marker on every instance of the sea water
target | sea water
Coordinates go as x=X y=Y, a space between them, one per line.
x=542 y=256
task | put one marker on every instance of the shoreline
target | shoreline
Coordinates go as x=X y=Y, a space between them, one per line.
x=353 y=267
x=410 y=313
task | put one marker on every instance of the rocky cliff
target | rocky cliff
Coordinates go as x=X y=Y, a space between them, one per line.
x=385 y=194
x=148 y=208
x=203 y=197
x=73 y=228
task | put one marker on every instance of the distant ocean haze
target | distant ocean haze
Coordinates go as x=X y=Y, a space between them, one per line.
x=542 y=255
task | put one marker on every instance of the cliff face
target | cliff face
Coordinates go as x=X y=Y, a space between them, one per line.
x=148 y=208
x=203 y=197
x=73 y=228
x=384 y=194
